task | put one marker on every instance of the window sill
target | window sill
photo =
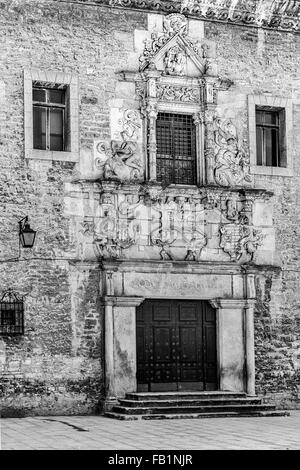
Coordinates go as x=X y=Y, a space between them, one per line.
x=271 y=171
x=52 y=155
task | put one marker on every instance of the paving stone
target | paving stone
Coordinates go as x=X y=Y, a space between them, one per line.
x=231 y=433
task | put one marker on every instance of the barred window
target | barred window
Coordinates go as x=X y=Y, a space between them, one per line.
x=176 y=149
x=11 y=314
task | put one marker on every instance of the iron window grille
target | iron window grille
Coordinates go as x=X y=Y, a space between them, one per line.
x=176 y=149
x=49 y=117
x=11 y=314
x=269 y=136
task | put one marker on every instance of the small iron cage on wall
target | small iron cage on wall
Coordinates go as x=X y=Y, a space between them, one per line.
x=11 y=314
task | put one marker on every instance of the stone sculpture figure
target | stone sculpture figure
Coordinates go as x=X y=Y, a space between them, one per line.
x=251 y=241
x=231 y=161
x=121 y=163
x=174 y=61
x=238 y=240
x=195 y=246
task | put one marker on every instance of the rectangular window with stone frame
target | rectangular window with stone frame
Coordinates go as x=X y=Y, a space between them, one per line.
x=270 y=120
x=51 y=115
x=176 y=149
x=270 y=136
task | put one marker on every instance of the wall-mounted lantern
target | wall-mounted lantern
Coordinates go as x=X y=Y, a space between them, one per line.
x=26 y=233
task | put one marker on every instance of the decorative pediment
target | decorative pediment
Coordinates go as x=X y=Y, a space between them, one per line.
x=172 y=52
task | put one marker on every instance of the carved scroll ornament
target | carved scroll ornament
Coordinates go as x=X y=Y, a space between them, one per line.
x=130 y=124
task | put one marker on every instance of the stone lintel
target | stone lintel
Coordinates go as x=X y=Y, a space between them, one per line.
x=122 y=301
x=183 y=267
x=245 y=191
x=258 y=268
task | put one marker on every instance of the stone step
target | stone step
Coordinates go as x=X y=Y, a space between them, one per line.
x=255 y=414
x=186 y=402
x=143 y=396
x=192 y=409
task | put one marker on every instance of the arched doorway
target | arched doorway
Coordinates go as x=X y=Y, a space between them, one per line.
x=176 y=346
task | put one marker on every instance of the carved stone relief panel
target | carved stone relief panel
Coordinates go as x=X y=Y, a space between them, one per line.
x=121 y=158
x=175 y=61
x=119 y=161
x=126 y=125
x=232 y=162
x=157 y=285
x=240 y=241
x=173 y=93
x=149 y=222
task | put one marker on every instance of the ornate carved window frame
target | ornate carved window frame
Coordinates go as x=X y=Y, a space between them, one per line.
x=51 y=77
x=178 y=74
x=276 y=103
x=188 y=99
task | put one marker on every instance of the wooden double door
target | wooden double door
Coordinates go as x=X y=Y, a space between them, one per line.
x=176 y=346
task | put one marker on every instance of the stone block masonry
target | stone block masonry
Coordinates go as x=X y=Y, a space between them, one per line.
x=267 y=62
x=57 y=366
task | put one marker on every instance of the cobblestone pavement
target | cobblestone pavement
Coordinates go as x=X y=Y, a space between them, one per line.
x=98 y=432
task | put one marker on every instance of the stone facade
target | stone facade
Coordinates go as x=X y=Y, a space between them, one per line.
x=109 y=235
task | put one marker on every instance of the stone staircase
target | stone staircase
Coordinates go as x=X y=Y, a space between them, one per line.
x=172 y=405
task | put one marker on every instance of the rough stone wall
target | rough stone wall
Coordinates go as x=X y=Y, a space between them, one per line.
x=267 y=62
x=57 y=366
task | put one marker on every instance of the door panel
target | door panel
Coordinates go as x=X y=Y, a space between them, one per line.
x=209 y=340
x=187 y=312
x=161 y=313
x=176 y=346
x=187 y=344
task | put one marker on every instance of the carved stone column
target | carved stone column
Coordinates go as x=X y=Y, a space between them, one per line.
x=249 y=347
x=209 y=89
x=110 y=395
x=209 y=144
x=199 y=124
x=235 y=344
x=152 y=116
x=120 y=347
